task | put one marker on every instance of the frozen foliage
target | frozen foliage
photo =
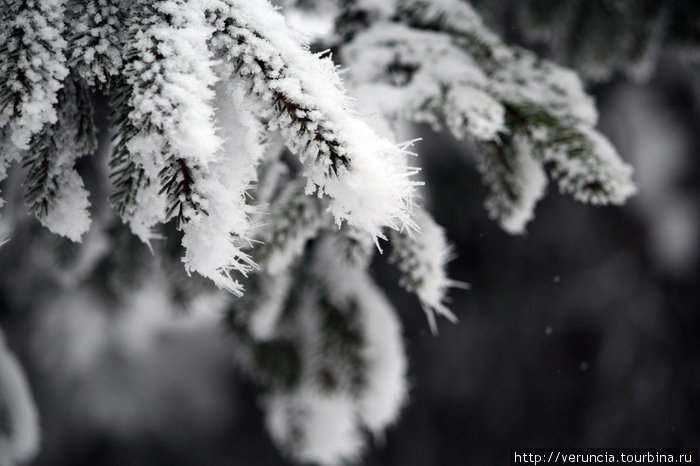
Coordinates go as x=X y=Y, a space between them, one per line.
x=422 y=257
x=301 y=94
x=420 y=75
x=32 y=66
x=237 y=151
x=353 y=367
x=55 y=192
x=433 y=61
x=214 y=241
x=323 y=425
x=95 y=26
x=515 y=179
x=19 y=426
x=170 y=79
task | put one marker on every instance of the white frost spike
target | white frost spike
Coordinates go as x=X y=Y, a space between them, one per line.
x=300 y=93
x=377 y=190
x=215 y=242
x=19 y=430
x=326 y=423
x=422 y=257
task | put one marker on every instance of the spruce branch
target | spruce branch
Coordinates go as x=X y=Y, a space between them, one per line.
x=158 y=64
x=136 y=196
x=498 y=94
x=96 y=39
x=422 y=258
x=515 y=179
x=54 y=191
x=171 y=160
x=301 y=95
x=32 y=66
x=206 y=95
x=353 y=365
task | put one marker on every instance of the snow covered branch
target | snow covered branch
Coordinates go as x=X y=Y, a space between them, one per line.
x=300 y=93
x=55 y=193
x=435 y=60
x=338 y=344
x=238 y=151
x=422 y=257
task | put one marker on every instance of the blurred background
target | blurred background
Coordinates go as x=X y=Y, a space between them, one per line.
x=584 y=332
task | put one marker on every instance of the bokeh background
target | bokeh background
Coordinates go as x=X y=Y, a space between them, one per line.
x=583 y=332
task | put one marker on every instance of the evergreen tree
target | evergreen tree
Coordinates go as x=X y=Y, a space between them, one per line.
x=238 y=148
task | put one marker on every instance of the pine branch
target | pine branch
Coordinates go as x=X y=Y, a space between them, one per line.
x=422 y=257
x=177 y=183
x=134 y=190
x=353 y=366
x=585 y=163
x=55 y=193
x=97 y=39
x=423 y=76
x=301 y=94
x=496 y=93
x=515 y=179
x=32 y=66
x=170 y=159
x=157 y=62
x=337 y=161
